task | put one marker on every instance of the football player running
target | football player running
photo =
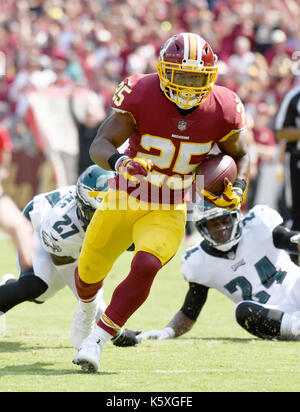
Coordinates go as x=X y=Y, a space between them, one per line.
x=172 y=119
x=59 y=219
x=247 y=260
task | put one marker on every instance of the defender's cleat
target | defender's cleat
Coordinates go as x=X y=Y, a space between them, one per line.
x=295 y=329
x=88 y=356
x=7 y=277
x=84 y=319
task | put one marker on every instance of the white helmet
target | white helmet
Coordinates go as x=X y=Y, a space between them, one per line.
x=224 y=233
x=94 y=178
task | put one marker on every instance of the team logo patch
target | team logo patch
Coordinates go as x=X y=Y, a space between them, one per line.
x=181 y=125
x=237 y=265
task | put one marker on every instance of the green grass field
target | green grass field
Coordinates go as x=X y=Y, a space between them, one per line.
x=215 y=356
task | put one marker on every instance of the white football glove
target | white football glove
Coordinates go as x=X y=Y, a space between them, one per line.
x=295 y=239
x=159 y=334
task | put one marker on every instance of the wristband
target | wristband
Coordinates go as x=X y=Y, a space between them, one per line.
x=115 y=160
x=240 y=184
x=170 y=331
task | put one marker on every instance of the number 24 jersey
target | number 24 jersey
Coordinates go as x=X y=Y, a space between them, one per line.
x=259 y=271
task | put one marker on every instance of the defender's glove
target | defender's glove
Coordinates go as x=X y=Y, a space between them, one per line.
x=231 y=198
x=295 y=239
x=159 y=334
x=126 y=337
x=133 y=167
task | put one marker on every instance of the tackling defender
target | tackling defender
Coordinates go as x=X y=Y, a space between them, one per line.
x=59 y=219
x=246 y=260
x=172 y=119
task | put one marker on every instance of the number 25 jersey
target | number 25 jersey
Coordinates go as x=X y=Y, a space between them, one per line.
x=175 y=141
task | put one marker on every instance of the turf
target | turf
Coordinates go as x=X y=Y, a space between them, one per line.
x=215 y=356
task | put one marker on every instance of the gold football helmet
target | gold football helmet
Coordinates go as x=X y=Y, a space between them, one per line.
x=187 y=69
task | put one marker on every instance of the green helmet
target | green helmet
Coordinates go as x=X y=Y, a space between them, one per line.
x=94 y=178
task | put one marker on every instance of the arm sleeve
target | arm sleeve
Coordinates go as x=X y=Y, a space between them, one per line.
x=282 y=237
x=194 y=300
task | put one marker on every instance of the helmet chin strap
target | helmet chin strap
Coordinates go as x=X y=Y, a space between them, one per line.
x=226 y=247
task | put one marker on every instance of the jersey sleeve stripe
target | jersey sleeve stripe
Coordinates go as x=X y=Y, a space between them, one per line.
x=124 y=112
x=231 y=133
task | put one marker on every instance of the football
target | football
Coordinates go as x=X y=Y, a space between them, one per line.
x=215 y=168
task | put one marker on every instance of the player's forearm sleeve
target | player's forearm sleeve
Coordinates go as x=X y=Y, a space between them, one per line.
x=282 y=239
x=194 y=300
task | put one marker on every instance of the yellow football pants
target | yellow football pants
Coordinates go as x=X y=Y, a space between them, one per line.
x=114 y=228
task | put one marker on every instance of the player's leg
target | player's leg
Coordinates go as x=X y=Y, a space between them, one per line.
x=295 y=194
x=30 y=285
x=18 y=228
x=14 y=292
x=157 y=236
x=268 y=322
x=108 y=235
x=81 y=328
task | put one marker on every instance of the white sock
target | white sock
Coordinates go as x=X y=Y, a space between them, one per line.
x=90 y=305
x=99 y=333
x=290 y=326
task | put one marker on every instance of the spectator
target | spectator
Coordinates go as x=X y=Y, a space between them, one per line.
x=265 y=146
x=287 y=126
x=242 y=58
x=87 y=129
x=279 y=46
x=11 y=219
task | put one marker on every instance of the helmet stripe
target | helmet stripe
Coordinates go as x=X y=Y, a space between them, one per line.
x=193 y=46
x=199 y=48
x=186 y=46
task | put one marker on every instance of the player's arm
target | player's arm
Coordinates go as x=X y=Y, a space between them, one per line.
x=290 y=134
x=5 y=164
x=235 y=146
x=61 y=260
x=286 y=239
x=112 y=133
x=185 y=318
x=14 y=223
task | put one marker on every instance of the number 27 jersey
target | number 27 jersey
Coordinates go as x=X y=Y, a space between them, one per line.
x=60 y=230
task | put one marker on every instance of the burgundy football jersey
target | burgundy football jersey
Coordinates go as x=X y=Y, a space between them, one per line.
x=174 y=142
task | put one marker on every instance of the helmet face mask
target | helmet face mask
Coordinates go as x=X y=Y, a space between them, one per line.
x=221 y=228
x=93 y=179
x=85 y=210
x=187 y=70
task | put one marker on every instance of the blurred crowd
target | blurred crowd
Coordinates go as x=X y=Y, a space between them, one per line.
x=95 y=43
